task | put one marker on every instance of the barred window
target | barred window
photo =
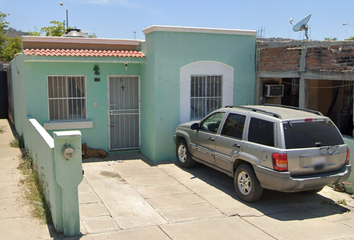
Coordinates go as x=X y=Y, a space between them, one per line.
x=206 y=95
x=67 y=98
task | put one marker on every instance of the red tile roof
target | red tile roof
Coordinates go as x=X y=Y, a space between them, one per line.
x=83 y=53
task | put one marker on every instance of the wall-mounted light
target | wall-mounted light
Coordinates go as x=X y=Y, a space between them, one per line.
x=126 y=66
x=96 y=69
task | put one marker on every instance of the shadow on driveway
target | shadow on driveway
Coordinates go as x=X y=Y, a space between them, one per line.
x=292 y=206
x=277 y=205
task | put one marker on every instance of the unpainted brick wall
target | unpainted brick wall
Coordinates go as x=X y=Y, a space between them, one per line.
x=320 y=56
x=280 y=59
x=334 y=58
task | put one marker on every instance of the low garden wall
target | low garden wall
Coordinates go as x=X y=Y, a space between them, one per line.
x=58 y=162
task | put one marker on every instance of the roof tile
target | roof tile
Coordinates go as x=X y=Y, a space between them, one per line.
x=83 y=53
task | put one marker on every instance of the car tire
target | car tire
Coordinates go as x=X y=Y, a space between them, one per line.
x=246 y=184
x=183 y=155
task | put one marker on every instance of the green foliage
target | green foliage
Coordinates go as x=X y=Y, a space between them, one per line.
x=13 y=46
x=18 y=142
x=342 y=202
x=33 y=187
x=331 y=39
x=349 y=39
x=56 y=30
x=3 y=37
x=35 y=32
x=93 y=35
x=8 y=47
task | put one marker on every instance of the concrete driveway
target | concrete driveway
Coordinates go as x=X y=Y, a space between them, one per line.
x=124 y=197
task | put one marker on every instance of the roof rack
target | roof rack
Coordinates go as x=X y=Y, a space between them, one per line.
x=295 y=108
x=256 y=110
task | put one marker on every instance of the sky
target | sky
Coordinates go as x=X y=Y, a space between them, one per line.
x=125 y=19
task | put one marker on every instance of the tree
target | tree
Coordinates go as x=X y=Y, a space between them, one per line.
x=3 y=37
x=13 y=46
x=331 y=39
x=349 y=39
x=93 y=35
x=56 y=31
x=34 y=33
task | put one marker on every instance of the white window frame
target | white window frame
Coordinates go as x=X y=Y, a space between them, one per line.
x=204 y=68
x=63 y=124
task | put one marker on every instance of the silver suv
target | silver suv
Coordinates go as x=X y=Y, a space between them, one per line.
x=274 y=147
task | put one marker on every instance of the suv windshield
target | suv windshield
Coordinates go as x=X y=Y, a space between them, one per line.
x=311 y=134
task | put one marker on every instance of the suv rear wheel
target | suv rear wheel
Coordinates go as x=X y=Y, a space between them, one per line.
x=246 y=184
x=183 y=155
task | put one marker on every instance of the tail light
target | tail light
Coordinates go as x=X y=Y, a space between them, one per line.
x=348 y=156
x=280 y=162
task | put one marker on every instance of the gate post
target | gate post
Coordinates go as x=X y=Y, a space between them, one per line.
x=68 y=174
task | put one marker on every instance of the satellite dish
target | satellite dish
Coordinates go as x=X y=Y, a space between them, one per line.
x=301 y=25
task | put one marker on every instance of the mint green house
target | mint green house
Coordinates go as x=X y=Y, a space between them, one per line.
x=129 y=95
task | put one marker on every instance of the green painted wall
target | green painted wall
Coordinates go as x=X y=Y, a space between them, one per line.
x=166 y=53
x=148 y=99
x=19 y=94
x=41 y=147
x=36 y=92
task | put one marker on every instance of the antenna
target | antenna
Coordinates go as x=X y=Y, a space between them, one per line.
x=301 y=25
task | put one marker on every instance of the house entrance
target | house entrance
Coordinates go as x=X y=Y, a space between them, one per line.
x=124 y=112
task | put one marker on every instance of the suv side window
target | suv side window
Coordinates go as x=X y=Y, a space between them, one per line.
x=233 y=126
x=212 y=123
x=261 y=132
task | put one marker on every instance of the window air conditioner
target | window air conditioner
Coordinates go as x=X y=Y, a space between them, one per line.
x=273 y=90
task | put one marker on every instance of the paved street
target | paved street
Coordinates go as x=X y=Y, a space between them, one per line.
x=130 y=199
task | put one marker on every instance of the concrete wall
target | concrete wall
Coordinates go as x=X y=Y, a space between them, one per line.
x=317 y=65
x=35 y=92
x=286 y=56
x=320 y=95
x=60 y=177
x=167 y=53
x=280 y=58
x=18 y=93
x=41 y=147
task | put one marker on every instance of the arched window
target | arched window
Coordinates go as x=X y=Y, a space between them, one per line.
x=204 y=87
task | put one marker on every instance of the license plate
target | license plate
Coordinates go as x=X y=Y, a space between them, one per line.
x=318 y=162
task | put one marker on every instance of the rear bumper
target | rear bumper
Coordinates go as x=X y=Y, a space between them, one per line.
x=284 y=182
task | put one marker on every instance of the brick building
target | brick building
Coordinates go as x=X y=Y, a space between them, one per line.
x=315 y=75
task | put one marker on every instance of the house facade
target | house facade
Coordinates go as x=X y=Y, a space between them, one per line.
x=129 y=95
x=315 y=74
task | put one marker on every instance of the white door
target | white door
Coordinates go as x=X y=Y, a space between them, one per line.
x=124 y=112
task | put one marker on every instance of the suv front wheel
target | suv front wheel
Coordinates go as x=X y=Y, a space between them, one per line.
x=246 y=184
x=183 y=155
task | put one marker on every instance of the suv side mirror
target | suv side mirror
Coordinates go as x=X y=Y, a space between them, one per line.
x=195 y=126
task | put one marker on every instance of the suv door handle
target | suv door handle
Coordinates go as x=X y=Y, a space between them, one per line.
x=211 y=139
x=236 y=145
